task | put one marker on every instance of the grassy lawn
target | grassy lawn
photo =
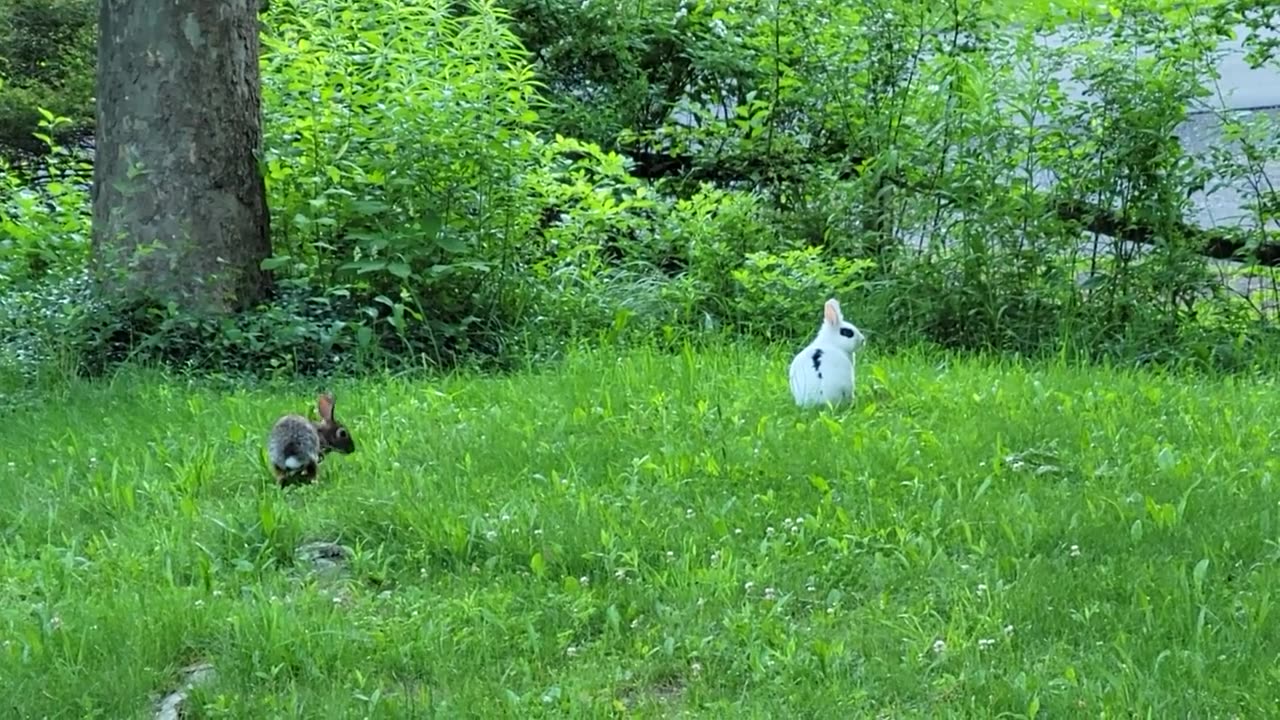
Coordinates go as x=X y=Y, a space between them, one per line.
x=656 y=536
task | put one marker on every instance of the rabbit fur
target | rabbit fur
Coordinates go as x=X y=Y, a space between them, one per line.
x=297 y=445
x=823 y=372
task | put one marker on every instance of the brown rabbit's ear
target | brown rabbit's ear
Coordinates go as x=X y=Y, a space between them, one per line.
x=324 y=405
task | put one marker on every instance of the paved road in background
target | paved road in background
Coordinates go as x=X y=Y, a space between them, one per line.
x=1241 y=88
x=1244 y=88
x=1247 y=90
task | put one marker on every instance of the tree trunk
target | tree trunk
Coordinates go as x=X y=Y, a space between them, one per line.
x=179 y=206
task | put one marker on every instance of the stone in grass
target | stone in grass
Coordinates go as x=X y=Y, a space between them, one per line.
x=665 y=691
x=324 y=557
x=170 y=706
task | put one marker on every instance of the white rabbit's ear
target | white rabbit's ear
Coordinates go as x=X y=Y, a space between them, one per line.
x=831 y=313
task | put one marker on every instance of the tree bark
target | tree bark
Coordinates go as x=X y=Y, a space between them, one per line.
x=179 y=205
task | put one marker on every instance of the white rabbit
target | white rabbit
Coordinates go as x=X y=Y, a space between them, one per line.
x=823 y=372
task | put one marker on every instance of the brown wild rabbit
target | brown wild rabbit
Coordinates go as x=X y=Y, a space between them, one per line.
x=297 y=445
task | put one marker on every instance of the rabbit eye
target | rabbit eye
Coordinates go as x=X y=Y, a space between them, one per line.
x=847 y=332
x=342 y=433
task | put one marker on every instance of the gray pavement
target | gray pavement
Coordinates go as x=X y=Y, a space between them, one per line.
x=1239 y=88
x=1245 y=87
x=1251 y=92
x=1243 y=92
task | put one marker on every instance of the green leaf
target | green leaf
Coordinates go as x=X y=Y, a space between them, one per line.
x=367 y=206
x=400 y=270
x=1199 y=573
x=276 y=262
x=364 y=336
x=451 y=243
x=364 y=267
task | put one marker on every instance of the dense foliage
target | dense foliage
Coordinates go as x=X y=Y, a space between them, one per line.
x=46 y=61
x=493 y=180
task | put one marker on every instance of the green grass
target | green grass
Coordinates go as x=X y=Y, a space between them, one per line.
x=665 y=535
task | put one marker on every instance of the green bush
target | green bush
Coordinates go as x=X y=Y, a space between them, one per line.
x=454 y=180
x=47 y=50
x=399 y=149
x=44 y=229
x=898 y=132
x=782 y=294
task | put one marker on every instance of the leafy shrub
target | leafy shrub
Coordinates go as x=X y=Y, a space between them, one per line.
x=44 y=325
x=782 y=294
x=453 y=179
x=607 y=68
x=399 y=145
x=67 y=327
x=45 y=224
x=615 y=256
x=938 y=141
x=46 y=62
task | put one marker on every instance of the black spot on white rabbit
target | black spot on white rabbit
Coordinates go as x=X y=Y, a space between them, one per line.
x=297 y=444
x=823 y=372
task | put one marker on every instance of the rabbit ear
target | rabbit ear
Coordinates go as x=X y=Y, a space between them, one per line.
x=831 y=313
x=324 y=405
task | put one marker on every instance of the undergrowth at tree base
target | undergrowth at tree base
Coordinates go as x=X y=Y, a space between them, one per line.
x=67 y=331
